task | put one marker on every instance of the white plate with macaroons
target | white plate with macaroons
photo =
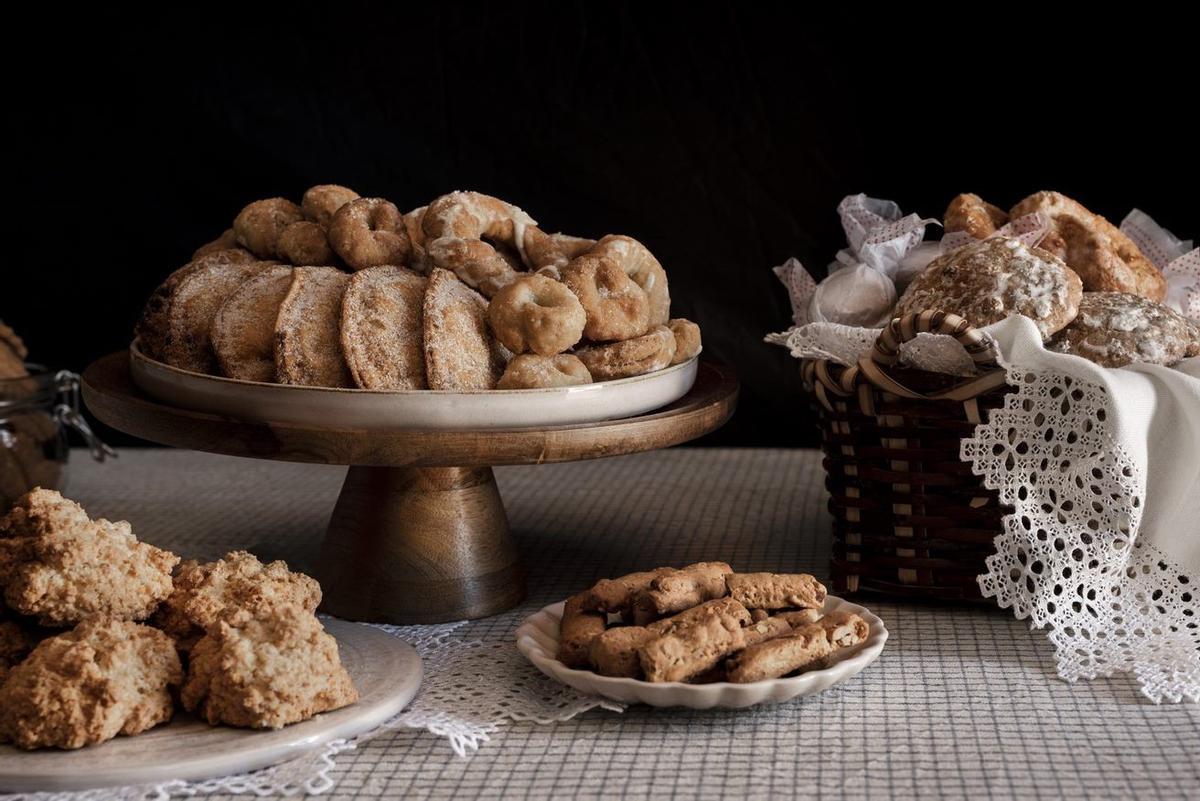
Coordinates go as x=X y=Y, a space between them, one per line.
x=385 y=670
x=537 y=639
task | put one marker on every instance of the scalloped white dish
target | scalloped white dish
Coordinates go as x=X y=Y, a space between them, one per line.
x=537 y=639
x=411 y=409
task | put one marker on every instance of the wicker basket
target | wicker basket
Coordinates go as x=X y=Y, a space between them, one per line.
x=909 y=517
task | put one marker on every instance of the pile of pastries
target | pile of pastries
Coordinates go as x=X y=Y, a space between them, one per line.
x=1086 y=285
x=101 y=635
x=704 y=623
x=466 y=293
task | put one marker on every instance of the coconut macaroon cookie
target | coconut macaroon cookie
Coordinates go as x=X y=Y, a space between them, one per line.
x=243 y=332
x=460 y=352
x=1114 y=329
x=995 y=278
x=381 y=328
x=308 y=340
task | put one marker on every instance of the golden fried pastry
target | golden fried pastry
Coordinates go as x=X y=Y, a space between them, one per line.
x=226 y=241
x=305 y=243
x=243 y=332
x=460 y=352
x=368 y=232
x=974 y=216
x=259 y=225
x=538 y=314
x=687 y=339
x=639 y=264
x=61 y=566
x=417 y=260
x=265 y=667
x=995 y=278
x=321 y=202
x=530 y=371
x=1105 y=259
x=104 y=678
x=617 y=307
x=204 y=593
x=461 y=230
x=12 y=354
x=381 y=328
x=644 y=354
x=550 y=254
x=194 y=304
x=308 y=330
x=1114 y=329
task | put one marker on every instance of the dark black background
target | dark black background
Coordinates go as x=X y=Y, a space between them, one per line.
x=722 y=138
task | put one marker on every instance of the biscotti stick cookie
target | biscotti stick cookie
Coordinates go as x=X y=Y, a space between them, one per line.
x=690 y=586
x=576 y=632
x=618 y=594
x=775 y=590
x=615 y=652
x=766 y=629
x=799 y=617
x=800 y=649
x=697 y=644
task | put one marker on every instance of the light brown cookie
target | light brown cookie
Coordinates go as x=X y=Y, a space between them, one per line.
x=995 y=278
x=1114 y=329
x=974 y=216
x=368 y=232
x=712 y=631
x=618 y=594
x=259 y=225
x=308 y=330
x=776 y=590
x=321 y=202
x=639 y=264
x=617 y=307
x=530 y=371
x=382 y=335
x=615 y=652
x=194 y=305
x=803 y=648
x=305 y=243
x=466 y=232
x=243 y=332
x=687 y=340
x=536 y=314
x=689 y=586
x=576 y=631
x=645 y=354
x=460 y=352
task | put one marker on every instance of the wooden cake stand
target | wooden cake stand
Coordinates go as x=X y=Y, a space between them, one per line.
x=419 y=533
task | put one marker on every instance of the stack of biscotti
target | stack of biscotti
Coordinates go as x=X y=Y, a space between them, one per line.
x=703 y=623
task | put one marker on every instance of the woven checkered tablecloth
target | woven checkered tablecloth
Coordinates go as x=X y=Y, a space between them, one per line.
x=963 y=702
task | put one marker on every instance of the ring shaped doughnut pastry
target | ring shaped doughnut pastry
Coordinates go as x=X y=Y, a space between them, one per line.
x=637 y=356
x=368 y=232
x=417 y=260
x=536 y=313
x=459 y=231
x=305 y=243
x=687 y=339
x=616 y=307
x=639 y=264
x=321 y=202
x=550 y=254
x=531 y=371
x=258 y=226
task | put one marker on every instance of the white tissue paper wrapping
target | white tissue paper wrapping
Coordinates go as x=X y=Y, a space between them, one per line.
x=1100 y=466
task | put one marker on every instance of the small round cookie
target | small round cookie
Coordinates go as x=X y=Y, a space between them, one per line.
x=639 y=264
x=1114 y=329
x=531 y=371
x=194 y=305
x=321 y=202
x=460 y=352
x=616 y=307
x=996 y=278
x=258 y=226
x=243 y=332
x=645 y=354
x=974 y=216
x=459 y=231
x=308 y=330
x=305 y=243
x=381 y=328
x=538 y=314
x=226 y=241
x=368 y=232
x=687 y=339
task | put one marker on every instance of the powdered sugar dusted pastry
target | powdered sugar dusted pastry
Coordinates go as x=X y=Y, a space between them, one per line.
x=549 y=254
x=308 y=330
x=538 y=314
x=798 y=650
x=104 y=678
x=381 y=328
x=530 y=371
x=644 y=354
x=617 y=307
x=995 y=278
x=368 y=232
x=1114 y=329
x=1105 y=259
x=972 y=215
x=60 y=566
x=194 y=305
x=243 y=332
x=417 y=260
x=259 y=225
x=321 y=202
x=687 y=340
x=459 y=229
x=460 y=351
x=305 y=243
x=639 y=264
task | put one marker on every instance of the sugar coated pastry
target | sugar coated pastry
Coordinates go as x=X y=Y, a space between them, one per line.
x=305 y=243
x=243 y=332
x=798 y=650
x=530 y=371
x=995 y=278
x=61 y=566
x=576 y=631
x=104 y=678
x=645 y=354
x=417 y=260
x=382 y=329
x=617 y=307
x=639 y=264
x=308 y=330
x=1114 y=329
x=687 y=339
x=536 y=314
x=615 y=652
x=226 y=241
x=461 y=230
x=368 y=232
x=259 y=225
x=549 y=254
x=460 y=352
x=321 y=202
x=697 y=644
x=688 y=587
x=265 y=667
x=776 y=590
x=618 y=594
x=202 y=594
x=1105 y=259
x=194 y=304
x=972 y=215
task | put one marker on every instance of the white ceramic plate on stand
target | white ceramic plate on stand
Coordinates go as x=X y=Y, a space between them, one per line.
x=537 y=639
x=386 y=671
x=424 y=409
